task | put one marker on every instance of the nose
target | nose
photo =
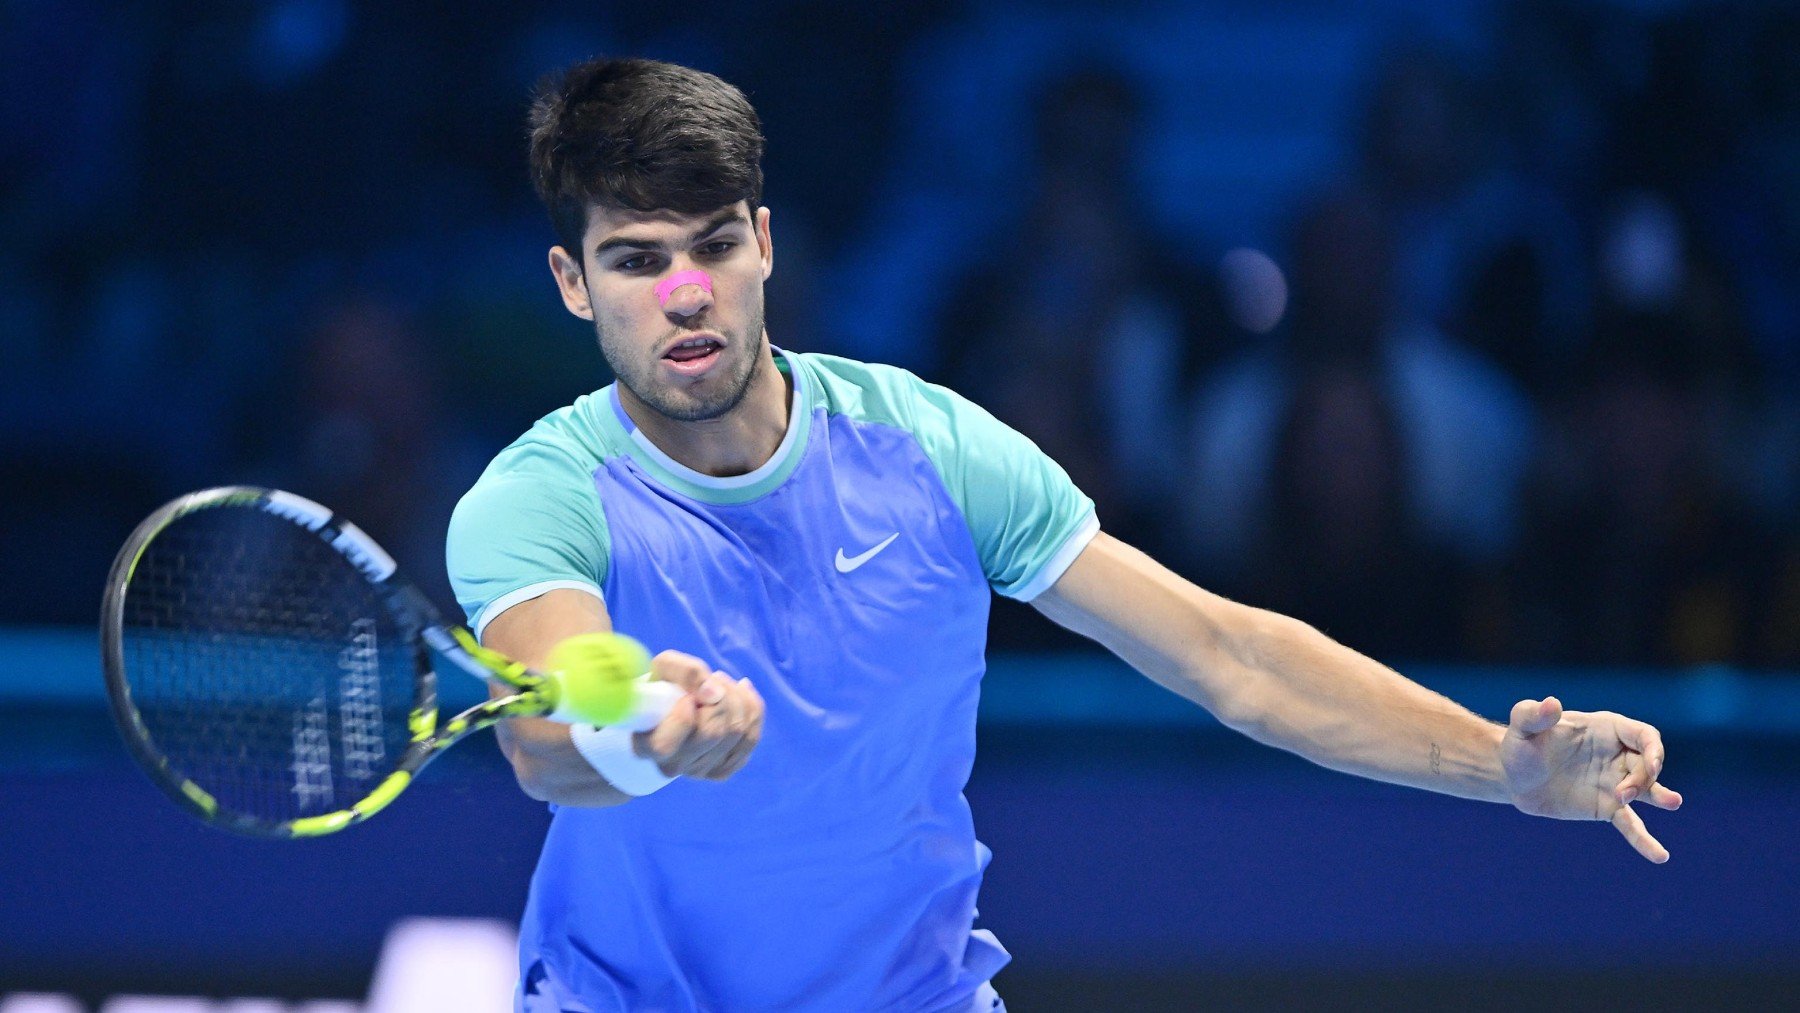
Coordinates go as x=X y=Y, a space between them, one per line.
x=685 y=293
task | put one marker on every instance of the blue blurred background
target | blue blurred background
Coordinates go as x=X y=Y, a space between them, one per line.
x=1465 y=330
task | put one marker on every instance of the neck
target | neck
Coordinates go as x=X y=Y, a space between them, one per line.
x=737 y=442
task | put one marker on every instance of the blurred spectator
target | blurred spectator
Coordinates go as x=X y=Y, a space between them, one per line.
x=1640 y=551
x=1589 y=230
x=1476 y=247
x=361 y=427
x=1087 y=329
x=1343 y=552
x=1462 y=427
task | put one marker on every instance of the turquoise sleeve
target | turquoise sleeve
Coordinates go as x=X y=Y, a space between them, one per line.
x=530 y=524
x=1028 y=519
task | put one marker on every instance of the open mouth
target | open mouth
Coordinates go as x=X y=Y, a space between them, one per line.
x=694 y=355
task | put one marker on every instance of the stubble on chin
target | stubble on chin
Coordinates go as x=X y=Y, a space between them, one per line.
x=680 y=405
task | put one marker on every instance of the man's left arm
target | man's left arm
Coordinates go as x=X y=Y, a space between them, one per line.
x=1283 y=683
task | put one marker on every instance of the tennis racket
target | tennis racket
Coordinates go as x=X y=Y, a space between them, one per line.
x=274 y=674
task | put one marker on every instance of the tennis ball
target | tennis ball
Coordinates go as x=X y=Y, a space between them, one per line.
x=596 y=676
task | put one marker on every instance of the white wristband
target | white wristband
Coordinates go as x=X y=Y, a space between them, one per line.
x=609 y=752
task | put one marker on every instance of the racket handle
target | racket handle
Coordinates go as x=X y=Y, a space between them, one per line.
x=650 y=702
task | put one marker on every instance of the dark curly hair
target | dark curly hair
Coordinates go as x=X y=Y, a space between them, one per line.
x=641 y=135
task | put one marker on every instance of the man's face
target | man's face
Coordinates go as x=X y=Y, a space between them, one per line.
x=651 y=347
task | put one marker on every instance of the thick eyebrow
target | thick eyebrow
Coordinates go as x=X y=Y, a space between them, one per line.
x=713 y=224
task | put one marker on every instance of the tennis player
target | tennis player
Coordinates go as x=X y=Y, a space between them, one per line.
x=811 y=543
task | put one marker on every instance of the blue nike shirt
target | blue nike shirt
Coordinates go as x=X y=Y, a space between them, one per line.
x=849 y=579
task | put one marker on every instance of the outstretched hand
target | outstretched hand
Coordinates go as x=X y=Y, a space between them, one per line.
x=1571 y=765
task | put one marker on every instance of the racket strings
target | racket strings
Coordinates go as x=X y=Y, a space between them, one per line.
x=263 y=667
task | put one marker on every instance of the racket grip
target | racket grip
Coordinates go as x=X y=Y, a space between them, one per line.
x=650 y=701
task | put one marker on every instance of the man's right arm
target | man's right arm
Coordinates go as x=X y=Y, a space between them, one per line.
x=709 y=733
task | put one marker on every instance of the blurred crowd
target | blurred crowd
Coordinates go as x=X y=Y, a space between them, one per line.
x=1499 y=362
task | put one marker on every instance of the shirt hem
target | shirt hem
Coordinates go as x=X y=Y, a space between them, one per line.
x=492 y=610
x=1060 y=562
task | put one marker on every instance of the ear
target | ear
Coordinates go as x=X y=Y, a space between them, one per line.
x=764 y=244
x=571 y=282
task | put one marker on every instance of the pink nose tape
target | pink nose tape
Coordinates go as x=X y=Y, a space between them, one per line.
x=666 y=287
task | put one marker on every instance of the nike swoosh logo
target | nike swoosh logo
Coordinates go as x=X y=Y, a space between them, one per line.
x=847 y=563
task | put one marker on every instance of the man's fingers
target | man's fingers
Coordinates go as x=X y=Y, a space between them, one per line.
x=1628 y=791
x=1648 y=742
x=739 y=755
x=1661 y=797
x=1638 y=735
x=662 y=742
x=751 y=726
x=703 y=756
x=711 y=737
x=1642 y=757
x=1530 y=717
x=1632 y=826
x=684 y=670
x=751 y=734
x=711 y=729
x=718 y=748
x=694 y=756
x=703 y=735
x=713 y=689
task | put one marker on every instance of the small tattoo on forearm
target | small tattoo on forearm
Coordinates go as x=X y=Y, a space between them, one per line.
x=1437 y=756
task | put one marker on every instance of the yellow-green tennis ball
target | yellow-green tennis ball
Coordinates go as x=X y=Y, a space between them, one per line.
x=595 y=673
